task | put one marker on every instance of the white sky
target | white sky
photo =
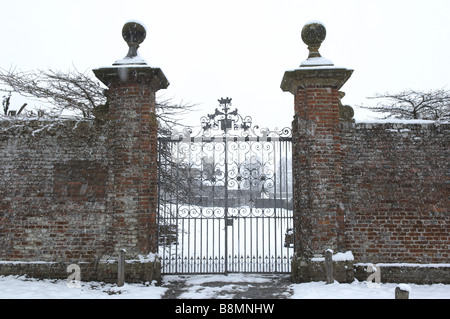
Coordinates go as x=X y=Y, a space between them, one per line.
x=238 y=49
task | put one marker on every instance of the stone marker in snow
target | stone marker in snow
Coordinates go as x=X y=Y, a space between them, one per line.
x=402 y=291
x=329 y=266
x=121 y=268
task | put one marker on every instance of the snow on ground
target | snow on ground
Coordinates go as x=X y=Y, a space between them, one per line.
x=360 y=290
x=15 y=287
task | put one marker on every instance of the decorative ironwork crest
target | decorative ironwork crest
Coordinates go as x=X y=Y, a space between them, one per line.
x=225 y=120
x=226 y=123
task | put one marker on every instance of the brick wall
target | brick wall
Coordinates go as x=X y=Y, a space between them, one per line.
x=396 y=181
x=53 y=181
x=75 y=191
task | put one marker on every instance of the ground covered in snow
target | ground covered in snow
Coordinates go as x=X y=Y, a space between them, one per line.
x=233 y=286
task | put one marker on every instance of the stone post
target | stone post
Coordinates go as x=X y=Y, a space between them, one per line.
x=121 y=268
x=329 y=266
x=132 y=143
x=402 y=291
x=318 y=213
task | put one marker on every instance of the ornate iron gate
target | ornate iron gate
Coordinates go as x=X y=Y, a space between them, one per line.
x=225 y=200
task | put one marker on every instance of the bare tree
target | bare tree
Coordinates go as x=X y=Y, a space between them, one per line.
x=72 y=90
x=80 y=93
x=412 y=104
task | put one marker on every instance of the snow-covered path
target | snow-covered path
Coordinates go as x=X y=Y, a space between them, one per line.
x=233 y=286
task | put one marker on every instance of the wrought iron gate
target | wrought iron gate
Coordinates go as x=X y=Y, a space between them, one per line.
x=225 y=200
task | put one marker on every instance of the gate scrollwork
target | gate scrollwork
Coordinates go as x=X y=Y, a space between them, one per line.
x=229 y=195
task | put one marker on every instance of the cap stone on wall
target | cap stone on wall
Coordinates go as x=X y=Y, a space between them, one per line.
x=133 y=68
x=316 y=70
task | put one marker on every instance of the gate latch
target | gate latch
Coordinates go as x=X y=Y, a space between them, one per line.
x=229 y=222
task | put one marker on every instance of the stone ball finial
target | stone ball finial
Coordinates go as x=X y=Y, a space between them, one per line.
x=313 y=34
x=134 y=33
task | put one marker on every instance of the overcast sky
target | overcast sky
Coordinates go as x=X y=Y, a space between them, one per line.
x=240 y=49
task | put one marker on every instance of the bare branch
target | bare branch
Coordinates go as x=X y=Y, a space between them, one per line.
x=78 y=92
x=414 y=104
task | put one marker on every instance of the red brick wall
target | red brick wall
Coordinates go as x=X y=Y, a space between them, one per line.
x=52 y=191
x=396 y=184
